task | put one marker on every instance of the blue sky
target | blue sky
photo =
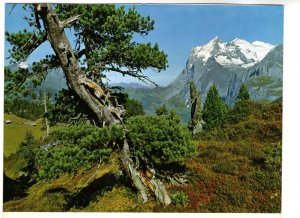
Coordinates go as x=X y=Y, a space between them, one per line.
x=179 y=28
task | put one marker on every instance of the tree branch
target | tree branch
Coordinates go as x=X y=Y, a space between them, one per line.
x=81 y=53
x=26 y=44
x=68 y=22
x=134 y=73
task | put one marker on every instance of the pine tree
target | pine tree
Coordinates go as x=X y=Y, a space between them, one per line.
x=27 y=153
x=214 y=109
x=103 y=42
x=243 y=94
x=195 y=123
x=242 y=107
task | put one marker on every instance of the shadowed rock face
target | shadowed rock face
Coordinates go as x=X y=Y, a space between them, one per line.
x=264 y=80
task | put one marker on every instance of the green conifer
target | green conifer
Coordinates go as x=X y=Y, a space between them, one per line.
x=243 y=94
x=214 y=109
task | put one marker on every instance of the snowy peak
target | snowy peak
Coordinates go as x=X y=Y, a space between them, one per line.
x=206 y=51
x=263 y=44
x=215 y=40
x=240 y=42
x=238 y=52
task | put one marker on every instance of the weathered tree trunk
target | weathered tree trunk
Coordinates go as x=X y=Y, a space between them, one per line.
x=94 y=95
x=86 y=89
x=142 y=183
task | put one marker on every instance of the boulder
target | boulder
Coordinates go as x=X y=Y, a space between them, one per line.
x=30 y=123
x=8 y=121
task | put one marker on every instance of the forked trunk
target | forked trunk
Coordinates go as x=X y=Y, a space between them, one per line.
x=141 y=181
x=96 y=98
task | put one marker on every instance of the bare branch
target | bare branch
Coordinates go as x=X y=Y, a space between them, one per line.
x=68 y=22
x=12 y=8
x=134 y=73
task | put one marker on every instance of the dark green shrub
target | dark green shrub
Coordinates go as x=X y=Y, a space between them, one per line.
x=162 y=110
x=83 y=146
x=133 y=108
x=159 y=139
x=90 y=136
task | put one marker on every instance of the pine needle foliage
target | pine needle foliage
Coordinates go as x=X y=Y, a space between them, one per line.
x=158 y=140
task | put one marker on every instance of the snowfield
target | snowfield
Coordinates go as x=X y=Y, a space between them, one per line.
x=238 y=52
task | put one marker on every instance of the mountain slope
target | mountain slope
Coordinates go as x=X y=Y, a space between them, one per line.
x=264 y=80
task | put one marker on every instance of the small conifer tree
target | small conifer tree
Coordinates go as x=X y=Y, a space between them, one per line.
x=243 y=94
x=214 y=109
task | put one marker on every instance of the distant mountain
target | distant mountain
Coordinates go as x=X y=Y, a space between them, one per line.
x=264 y=79
x=129 y=85
x=54 y=82
x=228 y=65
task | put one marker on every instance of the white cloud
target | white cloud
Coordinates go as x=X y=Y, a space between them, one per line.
x=23 y=65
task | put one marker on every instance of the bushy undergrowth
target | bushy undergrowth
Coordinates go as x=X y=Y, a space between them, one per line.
x=238 y=168
x=180 y=199
x=160 y=140
x=81 y=146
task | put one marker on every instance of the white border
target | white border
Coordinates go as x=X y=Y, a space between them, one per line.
x=291 y=104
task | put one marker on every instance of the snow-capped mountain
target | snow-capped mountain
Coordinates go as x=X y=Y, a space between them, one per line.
x=228 y=64
x=238 y=52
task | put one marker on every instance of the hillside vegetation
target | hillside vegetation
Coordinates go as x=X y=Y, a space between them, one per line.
x=237 y=168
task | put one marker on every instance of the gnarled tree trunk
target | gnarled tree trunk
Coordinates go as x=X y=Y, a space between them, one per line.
x=95 y=97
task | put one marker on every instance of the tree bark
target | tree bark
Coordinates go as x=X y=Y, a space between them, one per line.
x=96 y=97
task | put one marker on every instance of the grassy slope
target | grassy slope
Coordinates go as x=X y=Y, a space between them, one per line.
x=15 y=132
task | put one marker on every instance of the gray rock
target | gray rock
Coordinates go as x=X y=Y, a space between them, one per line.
x=48 y=146
x=8 y=121
x=30 y=123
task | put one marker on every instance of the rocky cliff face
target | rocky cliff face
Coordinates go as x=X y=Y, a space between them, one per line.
x=264 y=79
x=257 y=64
